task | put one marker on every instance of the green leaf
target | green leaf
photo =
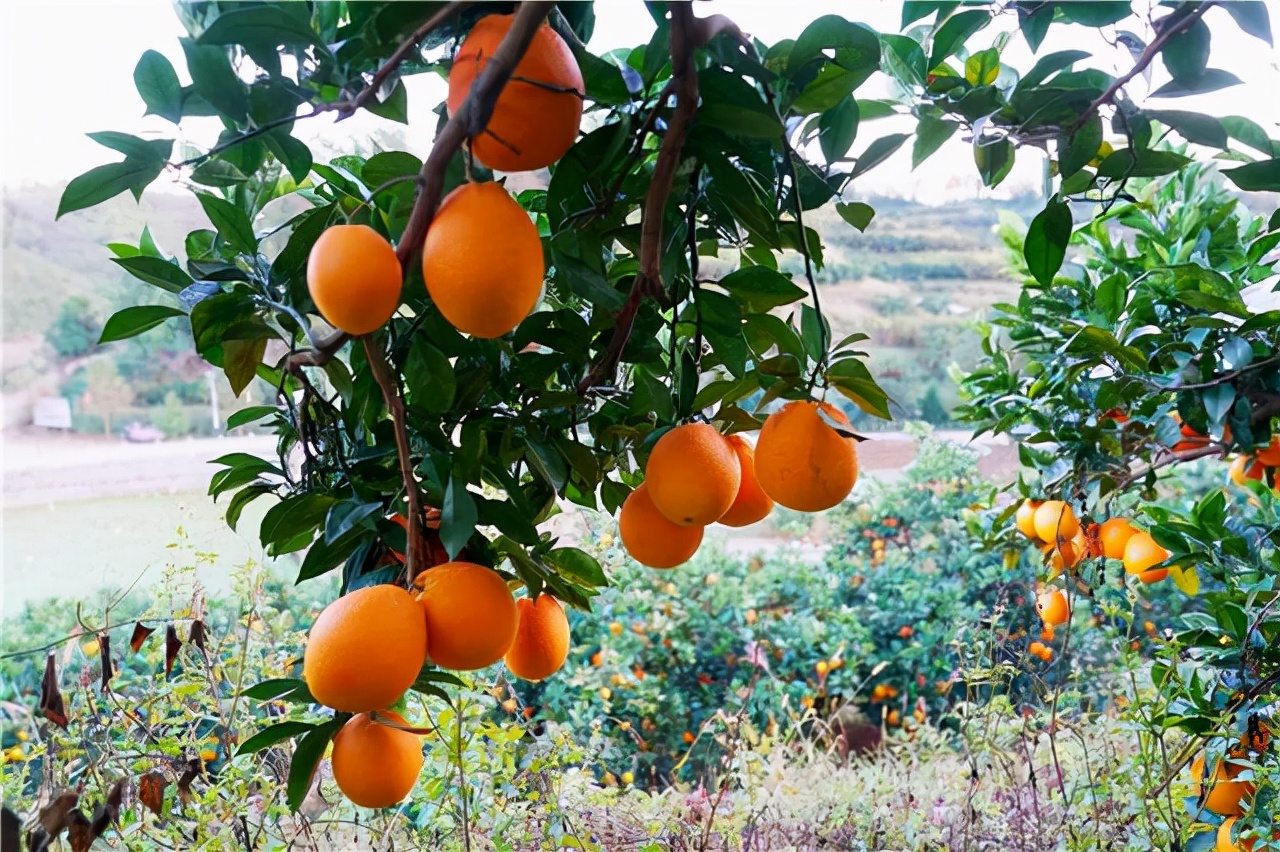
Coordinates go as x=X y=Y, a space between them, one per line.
x=1250 y=133
x=323 y=556
x=1082 y=147
x=914 y=10
x=162 y=273
x=280 y=688
x=1192 y=126
x=158 y=85
x=930 y=134
x=1096 y=13
x=577 y=564
x=903 y=59
x=877 y=152
x=1045 y=245
x=832 y=85
x=1143 y=163
x=248 y=415
x=982 y=68
x=1035 y=24
x=292 y=153
x=97 y=185
x=853 y=380
x=345 y=516
x=760 y=288
x=837 y=128
x=243 y=498
x=292 y=518
x=232 y=223
x=214 y=80
x=429 y=377
x=130 y=322
x=857 y=47
x=388 y=166
x=267 y=25
x=133 y=147
x=1186 y=54
x=458 y=516
x=269 y=736
x=394 y=107
x=994 y=159
x=1251 y=16
x=240 y=361
x=1210 y=80
x=856 y=213
x=952 y=35
x=1262 y=176
x=306 y=756
x=1050 y=63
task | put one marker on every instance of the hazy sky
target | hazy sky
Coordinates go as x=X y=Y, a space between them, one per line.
x=73 y=63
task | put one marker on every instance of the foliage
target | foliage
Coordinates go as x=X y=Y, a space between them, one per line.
x=74 y=331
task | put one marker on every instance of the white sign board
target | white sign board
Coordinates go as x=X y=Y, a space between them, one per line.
x=52 y=412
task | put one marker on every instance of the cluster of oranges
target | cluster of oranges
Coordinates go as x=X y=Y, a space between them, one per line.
x=482 y=257
x=1259 y=467
x=1066 y=542
x=367 y=648
x=696 y=476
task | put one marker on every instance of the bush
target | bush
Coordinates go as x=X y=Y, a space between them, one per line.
x=891 y=305
x=74 y=331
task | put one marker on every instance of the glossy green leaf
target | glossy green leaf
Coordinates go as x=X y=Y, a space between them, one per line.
x=458 y=516
x=214 y=80
x=856 y=213
x=97 y=185
x=1143 y=163
x=1082 y=147
x=132 y=321
x=1192 y=126
x=1251 y=16
x=1186 y=54
x=931 y=133
x=161 y=273
x=952 y=35
x=760 y=289
x=306 y=757
x=837 y=128
x=877 y=152
x=273 y=734
x=1210 y=80
x=158 y=86
x=1045 y=245
x=1262 y=176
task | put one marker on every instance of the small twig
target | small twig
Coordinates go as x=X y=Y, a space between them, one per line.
x=317 y=356
x=1148 y=56
x=1166 y=459
x=788 y=159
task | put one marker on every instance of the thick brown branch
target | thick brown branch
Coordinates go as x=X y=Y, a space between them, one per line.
x=649 y=281
x=319 y=355
x=394 y=61
x=391 y=395
x=1148 y=55
x=469 y=121
x=1169 y=458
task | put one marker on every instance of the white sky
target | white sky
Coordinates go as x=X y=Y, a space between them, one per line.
x=71 y=67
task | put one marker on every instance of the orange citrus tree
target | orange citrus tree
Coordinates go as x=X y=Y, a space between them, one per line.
x=455 y=362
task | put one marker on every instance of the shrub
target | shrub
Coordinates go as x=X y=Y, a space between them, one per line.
x=74 y=331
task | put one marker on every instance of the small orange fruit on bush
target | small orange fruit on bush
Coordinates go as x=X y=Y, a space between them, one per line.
x=693 y=474
x=1055 y=520
x=1037 y=649
x=1270 y=454
x=1244 y=469
x=365 y=649
x=803 y=463
x=1140 y=553
x=482 y=260
x=542 y=639
x=1226 y=796
x=751 y=504
x=650 y=538
x=1113 y=535
x=537 y=115
x=1053 y=608
x=1025 y=518
x=471 y=615
x=376 y=765
x=354 y=278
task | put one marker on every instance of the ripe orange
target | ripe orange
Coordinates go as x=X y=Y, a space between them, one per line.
x=1270 y=455
x=1224 y=842
x=650 y=538
x=1191 y=439
x=1036 y=649
x=1140 y=553
x=354 y=278
x=1244 y=469
x=751 y=504
x=1227 y=796
x=1055 y=520
x=376 y=765
x=471 y=615
x=537 y=115
x=1025 y=518
x=542 y=639
x=1053 y=608
x=803 y=463
x=482 y=260
x=365 y=649
x=1113 y=535
x=693 y=474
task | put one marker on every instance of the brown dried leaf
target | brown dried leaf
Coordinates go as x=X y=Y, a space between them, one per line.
x=109 y=811
x=80 y=837
x=140 y=634
x=51 y=704
x=108 y=671
x=151 y=788
x=190 y=774
x=172 y=644
x=197 y=636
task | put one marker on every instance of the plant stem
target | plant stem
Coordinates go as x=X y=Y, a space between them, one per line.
x=462 y=774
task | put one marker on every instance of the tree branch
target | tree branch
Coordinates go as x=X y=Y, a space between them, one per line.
x=1171 y=28
x=649 y=280
x=319 y=355
x=470 y=120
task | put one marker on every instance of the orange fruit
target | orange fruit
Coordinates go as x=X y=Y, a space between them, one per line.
x=803 y=463
x=1270 y=455
x=650 y=538
x=1054 y=520
x=693 y=474
x=354 y=278
x=365 y=649
x=1191 y=439
x=376 y=765
x=1047 y=633
x=1053 y=608
x=482 y=260
x=1227 y=796
x=1036 y=649
x=1244 y=469
x=538 y=113
x=1113 y=535
x=471 y=615
x=1224 y=842
x=1024 y=518
x=1140 y=553
x=542 y=639
x=751 y=503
